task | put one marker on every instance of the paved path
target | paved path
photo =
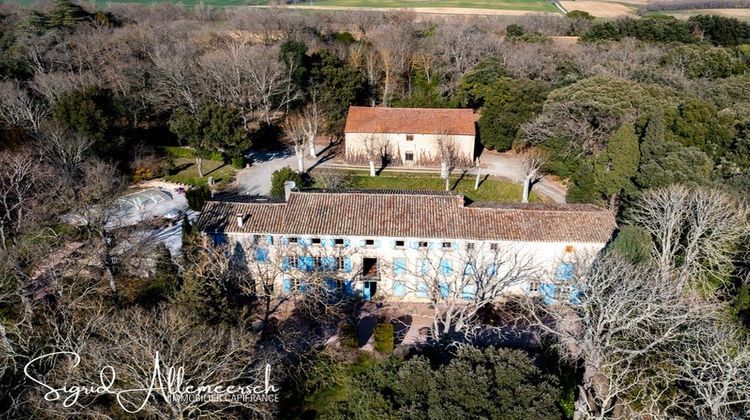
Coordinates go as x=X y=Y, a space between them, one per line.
x=256 y=180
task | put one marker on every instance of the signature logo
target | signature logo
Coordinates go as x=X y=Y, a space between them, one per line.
x=168 y=383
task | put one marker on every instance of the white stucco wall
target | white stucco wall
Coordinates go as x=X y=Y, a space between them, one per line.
x=425 y=147
x=540 y=259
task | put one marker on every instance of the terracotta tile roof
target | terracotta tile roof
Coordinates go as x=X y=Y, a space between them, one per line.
x=410 y=215
x=410 y=120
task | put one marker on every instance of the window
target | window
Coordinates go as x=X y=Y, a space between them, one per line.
x=565 y=271
x=369 y=242
x=400 y=243
x=470 y=246
x=423 y=265
x=293 y=240
x=294 y=262
x=447 y=245
x=317 y=262
x=423 y=244
x=410 y=137
x=399 y=266
x=316 y=241
x=409 y=156
x=338 y=242
x=261 y=254
x=340 y=264
x=534 y=286
x=493 y=246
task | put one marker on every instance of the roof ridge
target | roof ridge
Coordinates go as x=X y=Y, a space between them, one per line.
x=377 y=191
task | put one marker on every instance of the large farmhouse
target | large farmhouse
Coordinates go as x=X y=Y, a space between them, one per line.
x=389 y=245
x=410 y=136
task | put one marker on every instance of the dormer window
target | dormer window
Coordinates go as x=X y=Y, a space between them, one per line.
x=410 y=137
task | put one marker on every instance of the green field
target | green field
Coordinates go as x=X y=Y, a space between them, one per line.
x=493 y=190
x=530 y=5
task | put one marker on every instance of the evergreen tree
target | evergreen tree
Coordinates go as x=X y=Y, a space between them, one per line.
x=620 y=162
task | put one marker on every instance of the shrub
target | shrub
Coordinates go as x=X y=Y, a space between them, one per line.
x=238 y=162
x=280 y=177
x=348 y=335
x=384 y=338
x=197 y=197
x=632 y=243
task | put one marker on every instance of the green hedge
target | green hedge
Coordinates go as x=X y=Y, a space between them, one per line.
x=197 y=197
x=384 y=338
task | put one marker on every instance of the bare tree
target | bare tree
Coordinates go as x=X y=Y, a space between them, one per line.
x=625 y=327
x=394 y=45
x=139 y=344
x=714 y=364
x=695 y=232
x=295 y=138
x=448 y=150
x=19 y=108
x=18 y=179
x=373 y=145
x=64 y=151
x=460 y=283
x=533 y=160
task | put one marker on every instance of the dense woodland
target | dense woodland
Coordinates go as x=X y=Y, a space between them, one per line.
x=649 y=117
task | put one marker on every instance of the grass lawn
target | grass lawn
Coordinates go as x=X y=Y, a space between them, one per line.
x=489 y=190
x=186 y=172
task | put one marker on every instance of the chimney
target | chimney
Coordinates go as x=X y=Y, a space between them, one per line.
x=288 y=187
x=240 y=220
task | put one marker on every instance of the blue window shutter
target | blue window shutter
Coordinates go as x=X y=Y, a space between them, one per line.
x=377 y=243
x=269 y=239
x=491 y=270
x=527 y=288
x=422 y=290
x=348 y=288
x=469 y=270
x=398 y=288
x=454 y=245
x=444 y=290
x=445 y=267
x=399 y=266
x=285 y=240
x=287 y=285
x=575 y=296
x=308 y=262
x=285 y=264
x=414 y=244
x=469 y=292
x=565 y=271
x=303 y=287
x=547 y=290
x=330 y=284
x=432 y=245
x=347 y=264
x=424 y=266
x=361 y=242
x=347 y=243
x=261 y=254
x=220 y=239
x=329 y=263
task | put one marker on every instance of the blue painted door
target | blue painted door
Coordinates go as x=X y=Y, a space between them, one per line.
x=367 y=290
